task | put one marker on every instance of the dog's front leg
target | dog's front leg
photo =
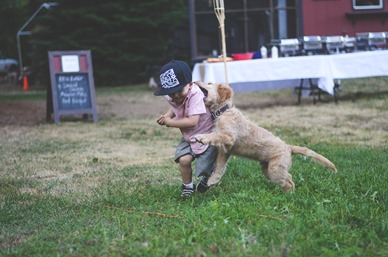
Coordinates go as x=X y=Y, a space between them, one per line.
x=204 y=138
x=222 y=141
x=222 y=160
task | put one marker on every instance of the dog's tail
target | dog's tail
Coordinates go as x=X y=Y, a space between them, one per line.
x=310 y=153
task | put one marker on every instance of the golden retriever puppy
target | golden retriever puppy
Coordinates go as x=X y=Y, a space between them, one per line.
x=234 y=134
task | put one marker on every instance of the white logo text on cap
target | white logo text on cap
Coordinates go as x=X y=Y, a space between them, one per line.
x=168 y=79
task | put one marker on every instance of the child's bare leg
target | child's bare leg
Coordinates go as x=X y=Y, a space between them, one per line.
x=185 y=168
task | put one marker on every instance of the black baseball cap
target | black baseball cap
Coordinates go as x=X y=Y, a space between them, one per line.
x=174 y=76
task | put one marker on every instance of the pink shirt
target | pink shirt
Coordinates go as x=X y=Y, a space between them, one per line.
x=193 y=105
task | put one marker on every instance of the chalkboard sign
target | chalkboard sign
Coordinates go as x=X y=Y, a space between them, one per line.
x=72 y=85
x=73 y=91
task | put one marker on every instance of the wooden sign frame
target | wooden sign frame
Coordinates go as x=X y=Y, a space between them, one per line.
x=72 y=85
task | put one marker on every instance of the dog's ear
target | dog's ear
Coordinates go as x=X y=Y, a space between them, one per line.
x=224 y=92
x=200 y=83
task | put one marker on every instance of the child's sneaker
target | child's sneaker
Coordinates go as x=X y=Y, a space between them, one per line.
x=187 y=191
x=202 y=186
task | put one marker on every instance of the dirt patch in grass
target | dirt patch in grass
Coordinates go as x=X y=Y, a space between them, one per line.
x=22 y=113
x=359 y=117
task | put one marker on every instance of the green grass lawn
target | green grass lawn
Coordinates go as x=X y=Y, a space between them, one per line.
x=142 y=214
x=109 y=189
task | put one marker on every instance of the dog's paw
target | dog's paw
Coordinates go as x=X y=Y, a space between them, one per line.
x=288 y=185
x=213 y=180
x=202 y=139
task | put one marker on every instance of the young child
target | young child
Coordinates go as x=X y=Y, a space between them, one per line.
x=188 y=113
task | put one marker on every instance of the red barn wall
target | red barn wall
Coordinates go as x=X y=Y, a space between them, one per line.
x=328 y=17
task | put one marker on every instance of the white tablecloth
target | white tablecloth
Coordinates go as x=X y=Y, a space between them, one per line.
x=286 y=72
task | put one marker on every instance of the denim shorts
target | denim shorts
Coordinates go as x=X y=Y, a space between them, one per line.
x=205 y=162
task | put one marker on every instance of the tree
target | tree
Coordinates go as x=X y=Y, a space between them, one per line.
x=124 y=36
x=11 y=14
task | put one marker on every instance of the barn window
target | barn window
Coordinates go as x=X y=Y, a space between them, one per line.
x=367 y=4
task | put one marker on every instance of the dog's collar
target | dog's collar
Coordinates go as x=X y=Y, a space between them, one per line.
x=218 y=112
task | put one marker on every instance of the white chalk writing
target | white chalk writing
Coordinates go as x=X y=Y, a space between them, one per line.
x=73 y=91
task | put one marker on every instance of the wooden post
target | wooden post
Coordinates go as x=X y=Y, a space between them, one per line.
x=219 y=10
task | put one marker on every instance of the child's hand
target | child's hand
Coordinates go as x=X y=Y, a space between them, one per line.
x=160 y=121
x=164 y=120
x=167 y=121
